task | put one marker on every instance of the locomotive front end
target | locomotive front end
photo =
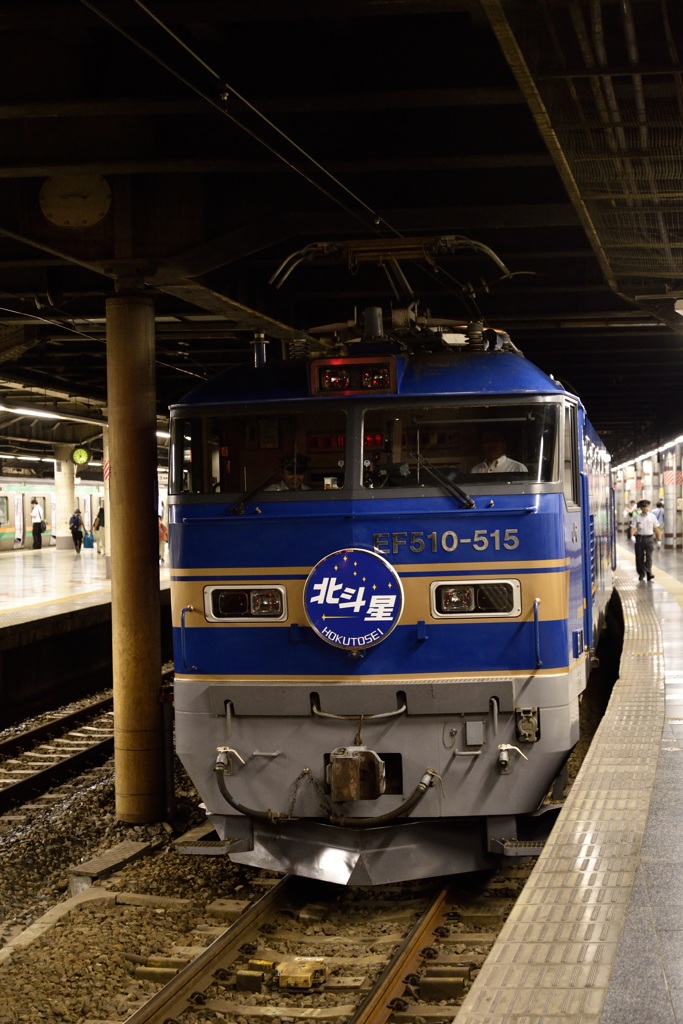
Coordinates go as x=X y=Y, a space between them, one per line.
x=385 y=575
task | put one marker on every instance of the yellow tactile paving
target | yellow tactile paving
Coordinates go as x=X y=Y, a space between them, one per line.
x=553 y=959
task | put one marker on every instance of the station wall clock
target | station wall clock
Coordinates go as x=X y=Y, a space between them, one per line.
x=75 y=200
x=80 y=456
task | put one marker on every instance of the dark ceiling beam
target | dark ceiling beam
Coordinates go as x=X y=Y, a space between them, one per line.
x=222 y=165
x=54 y=110
x=125 y=107
x=413 y=99
x=497 y=15
x=54 y=16
x=240 y=317
x=136 y=274
x=222 y=250
x=578 y=71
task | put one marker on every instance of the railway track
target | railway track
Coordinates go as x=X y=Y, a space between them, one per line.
x=34 y=761
x=390 y=955
x=309 y=950
x=65 y=742
x=404 y=954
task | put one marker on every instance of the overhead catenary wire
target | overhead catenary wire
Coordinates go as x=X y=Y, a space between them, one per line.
x=66 y=326
x=50 y=322
x=227 y=91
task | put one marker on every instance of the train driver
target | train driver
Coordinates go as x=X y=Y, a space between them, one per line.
x=293 y=473
x=495 y=460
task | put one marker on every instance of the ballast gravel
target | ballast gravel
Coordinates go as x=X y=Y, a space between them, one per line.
x=85 y=967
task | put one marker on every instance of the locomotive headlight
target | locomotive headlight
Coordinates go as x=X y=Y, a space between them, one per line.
x=334 y=379
x=451 y=600
x=476 y=598
x=237 y=604
x=267 y=603
x=376 y=378
x=353 y=376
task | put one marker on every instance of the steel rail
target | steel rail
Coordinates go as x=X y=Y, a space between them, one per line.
x=21 y=741
x=44 y=779
x=181 y=993
x=408 y=958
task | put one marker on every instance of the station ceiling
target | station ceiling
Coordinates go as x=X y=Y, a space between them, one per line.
x=186 y=149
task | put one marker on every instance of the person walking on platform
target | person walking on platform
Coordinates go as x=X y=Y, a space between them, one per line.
x=37 y=523
x=658 y=513
x=163 y=540
x=76 y=527
x=630 y=513
x=647 y=531
x=98 y=530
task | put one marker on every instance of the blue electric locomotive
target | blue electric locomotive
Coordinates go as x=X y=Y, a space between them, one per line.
x=389 y=566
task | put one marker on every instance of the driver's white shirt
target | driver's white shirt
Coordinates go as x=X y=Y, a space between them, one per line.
x=501 y=465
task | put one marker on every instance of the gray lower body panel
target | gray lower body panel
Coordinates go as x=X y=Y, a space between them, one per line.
x=373 y=856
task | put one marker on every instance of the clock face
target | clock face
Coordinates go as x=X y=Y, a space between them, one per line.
x=75 y=200
x=80 y=456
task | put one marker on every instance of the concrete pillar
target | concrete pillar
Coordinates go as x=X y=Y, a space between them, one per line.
x=630 y=486
x=647 y=481
x=65 y=496
x=133 y=537
x=619 y=502
x=106 y=467
x=678 y=477
x=669 y=481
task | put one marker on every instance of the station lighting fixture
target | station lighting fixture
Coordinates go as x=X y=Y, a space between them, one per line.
x=28 y=458
x=21 y=410
x=648 y=455
x=31 y=412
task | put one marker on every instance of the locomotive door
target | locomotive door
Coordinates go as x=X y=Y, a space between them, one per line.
x=574 y=538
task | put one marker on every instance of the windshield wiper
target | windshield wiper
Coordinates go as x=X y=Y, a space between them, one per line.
x=444 y=481
x=238 y=508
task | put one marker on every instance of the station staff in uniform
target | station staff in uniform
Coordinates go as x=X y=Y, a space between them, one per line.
x=647 y=530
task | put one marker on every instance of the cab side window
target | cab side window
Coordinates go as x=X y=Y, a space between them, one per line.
x=570 y=473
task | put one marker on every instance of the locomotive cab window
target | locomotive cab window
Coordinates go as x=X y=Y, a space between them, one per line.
x=278 y=452
x=423 y=446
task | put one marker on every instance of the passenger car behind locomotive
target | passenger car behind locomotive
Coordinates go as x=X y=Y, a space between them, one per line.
x=378 y=677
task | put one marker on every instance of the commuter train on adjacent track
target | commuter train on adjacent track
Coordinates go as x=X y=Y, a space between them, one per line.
x=378 y=669
x=16 y=492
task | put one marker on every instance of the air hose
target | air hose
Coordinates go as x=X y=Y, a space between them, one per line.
x=423 y=785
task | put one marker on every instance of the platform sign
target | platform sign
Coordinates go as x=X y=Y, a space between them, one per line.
x=353 y=598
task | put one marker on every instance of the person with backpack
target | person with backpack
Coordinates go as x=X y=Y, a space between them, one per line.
x=76 y=527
